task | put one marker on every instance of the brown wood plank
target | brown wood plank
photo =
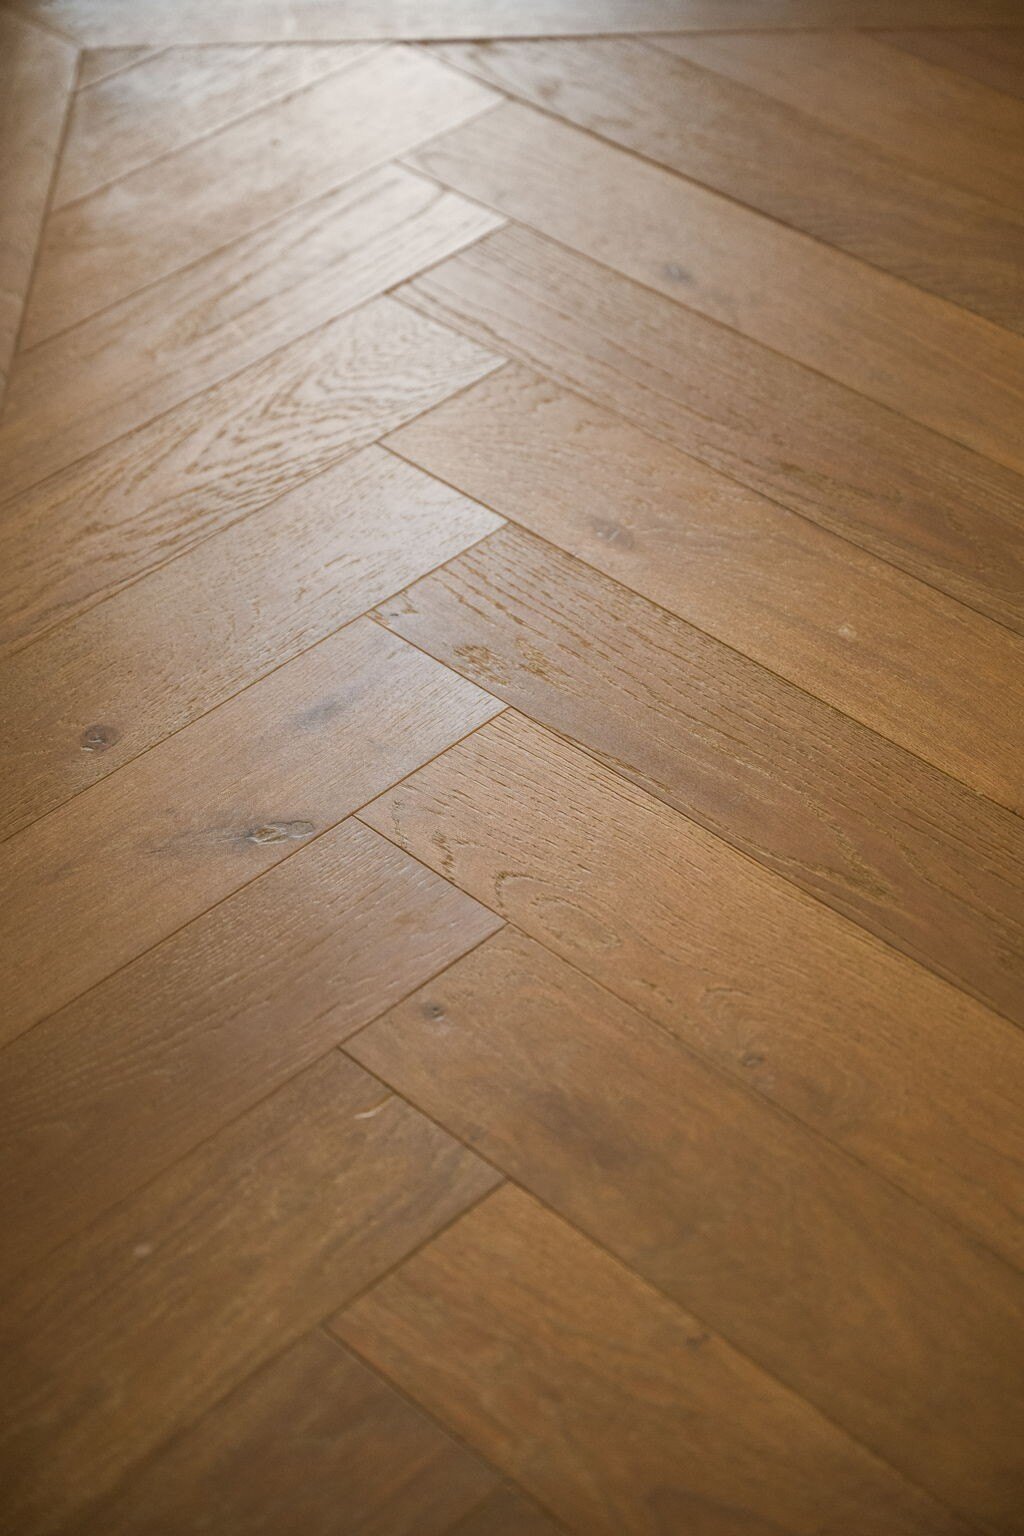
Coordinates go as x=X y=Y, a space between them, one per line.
x=139 y=501
x=844 y=1289
x=846 y=627
x=773 y=158
x=876 y=1054
x=158 y=348
x=949 y=127
x=37 y=73
x=96 y=23
x=175 y=96
x=925 y=358
x=877 y=834
x=507 y=1514
x=621 y=1412
x=939 y=512
x=179 y=209
x=134 y=857
x=178 y=1295
x=311 y=1434
x=132 y=1076
x=995 y=57
x=96 y=64
x=95 y=693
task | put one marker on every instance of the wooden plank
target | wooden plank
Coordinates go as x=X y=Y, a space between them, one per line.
x=844 y=626
x=994 y=57
x=37 y=73
x=912 y=1077
x=312 y=1433
x=882 y=837
x=840 y=1286
x=192 y=202
x=949 y=127
x=151 y=1062
x=175 y=96
x=773 y=158
x=177 y=1296
x=939 y=512
x=134 y=857
x=136 y=503
x=670 y=1428
x=156 y=349
x=507 y=1514
x=95 y=693
x=925 y=358
x=97 y=23
x=96 y=64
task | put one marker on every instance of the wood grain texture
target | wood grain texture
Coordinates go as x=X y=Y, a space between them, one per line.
x=773 y=158
x=136 y=503
x=870 y=1050
x=906 y=852
x=835 y=1283
x=97 y=23
x=995 y=57
x=96 y=64
x=930 y=507
x=96 y=692
x=134 y=857
x=181 y=1293
x=37 y=72
x=846 y=627
x=164 y=216
x=921 y=356
x=507 y=1514
x=671 y=1429
x=951 y=128
x=120 y=1084
x=132 y=362
x=174 y=96
x=312 y=1433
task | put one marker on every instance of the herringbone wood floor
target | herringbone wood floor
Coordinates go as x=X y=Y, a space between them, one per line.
x=511 y=647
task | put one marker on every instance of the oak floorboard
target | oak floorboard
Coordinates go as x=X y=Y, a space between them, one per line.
x=130 y=363
x=908 y=1074
x=312 y=1433
x=841 y=1287
x=927 y=505
x=134 y=504
x=132 y=858
x=37 y=74
x=165 y=215
x=908 y=853
x=179 y=1294
x=96 y=64
x=941 y=366
x=130 y=1077
x=507 y=1514
x=921 y=669
x=994 y=57
x=771 y=157
x=953 y=129
x=178 y=95
x=99 y=23
x=510 y=1316
x=96 y=692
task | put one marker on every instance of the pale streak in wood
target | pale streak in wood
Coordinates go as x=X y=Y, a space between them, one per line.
x=841 y=1287
x=136 y=503
x=194 y=201
x=158 y=348
x=181 y=1293
x=132 y=1076
x=995 y=58
x=131 y=859
x=858 y=1042
x=882 y=837
x=931 y=507
x=774 y=158
x=510 y=1319
x=925 y=358
x=178 y=95
x=37 y=72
